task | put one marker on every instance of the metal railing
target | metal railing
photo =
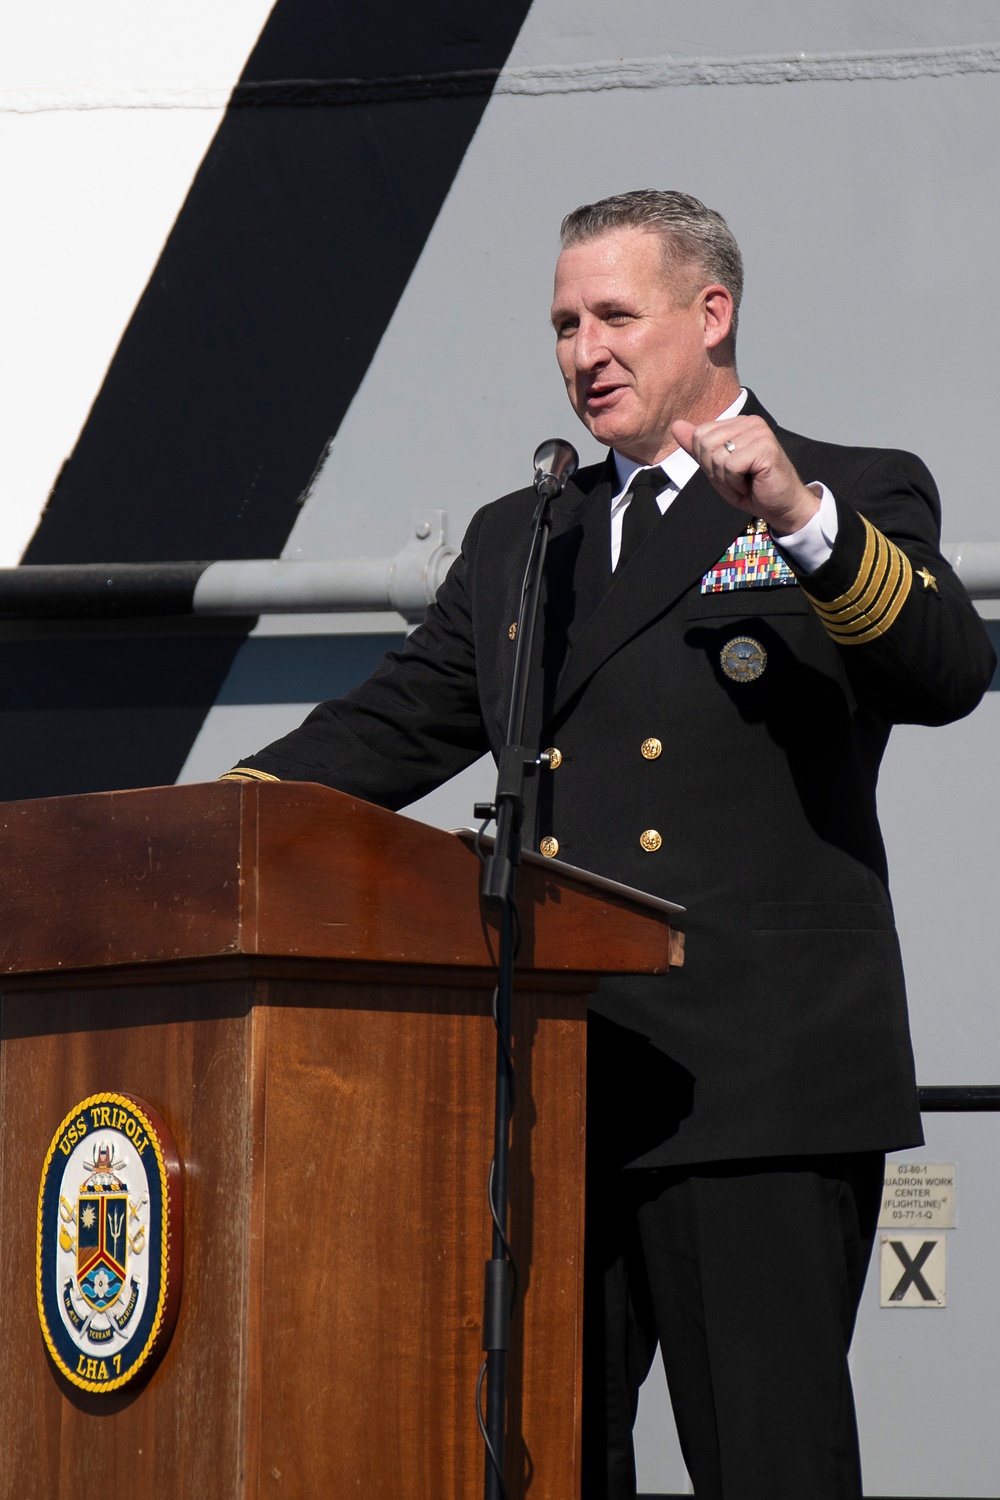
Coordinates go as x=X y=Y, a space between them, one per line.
x=406 y=582
x=959 y=1098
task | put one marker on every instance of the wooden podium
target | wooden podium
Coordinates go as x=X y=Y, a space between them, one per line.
x=300 y=983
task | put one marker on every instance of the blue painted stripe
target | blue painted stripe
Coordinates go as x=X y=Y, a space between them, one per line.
x=309 y=668
x=993 y=630
x=303 y=668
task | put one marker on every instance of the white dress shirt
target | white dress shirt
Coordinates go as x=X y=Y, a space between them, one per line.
x=809 y=547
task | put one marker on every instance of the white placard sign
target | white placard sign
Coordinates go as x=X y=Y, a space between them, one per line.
x=912 y=1270
x=918 y=1195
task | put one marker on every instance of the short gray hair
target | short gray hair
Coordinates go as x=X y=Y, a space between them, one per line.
x=693 y=237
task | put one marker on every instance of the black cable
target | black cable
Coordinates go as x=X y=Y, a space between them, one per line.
x=501 y=1233
x=505 y=1242
x=485 y=1435
x=518 y=930
x=508 y=1055
x=478 y=845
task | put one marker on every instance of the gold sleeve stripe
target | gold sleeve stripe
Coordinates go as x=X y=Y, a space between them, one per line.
x=839 y=611
x=876 y=596
x=869 y=627
x=247 y=773
x=864 y=572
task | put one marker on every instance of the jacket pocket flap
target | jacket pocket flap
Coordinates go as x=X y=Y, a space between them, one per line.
x=735 y=603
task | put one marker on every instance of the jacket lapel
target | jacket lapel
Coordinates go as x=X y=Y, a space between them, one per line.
x=577 y=573
x=692 y=536
x=589 y=570
x=695 y=532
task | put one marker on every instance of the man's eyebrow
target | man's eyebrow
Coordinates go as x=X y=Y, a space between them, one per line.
x=602 y=308
x=614 y=304
x=559 y=314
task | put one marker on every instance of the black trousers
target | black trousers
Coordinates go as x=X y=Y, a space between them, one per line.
x=748 y=1275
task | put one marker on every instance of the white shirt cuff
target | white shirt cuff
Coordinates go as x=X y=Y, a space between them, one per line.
x=812 y=545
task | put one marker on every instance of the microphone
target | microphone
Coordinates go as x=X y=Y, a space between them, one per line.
x=555 y=462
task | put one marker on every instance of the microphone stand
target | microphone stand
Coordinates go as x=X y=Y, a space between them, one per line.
x=498 y=882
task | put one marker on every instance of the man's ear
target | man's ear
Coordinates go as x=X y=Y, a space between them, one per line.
x=717 y=305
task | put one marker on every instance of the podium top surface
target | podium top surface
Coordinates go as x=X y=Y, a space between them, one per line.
x=289 y=870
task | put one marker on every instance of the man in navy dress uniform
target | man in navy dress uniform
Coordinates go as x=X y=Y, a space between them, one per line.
x=733 y=618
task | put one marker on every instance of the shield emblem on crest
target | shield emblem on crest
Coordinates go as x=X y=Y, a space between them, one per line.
x=101 y=1247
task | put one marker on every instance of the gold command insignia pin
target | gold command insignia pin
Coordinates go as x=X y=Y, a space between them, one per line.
x=743 y=659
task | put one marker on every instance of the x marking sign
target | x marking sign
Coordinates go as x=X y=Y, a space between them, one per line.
x=912 y=1271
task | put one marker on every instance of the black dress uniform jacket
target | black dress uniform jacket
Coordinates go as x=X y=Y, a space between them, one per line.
x=749 y=799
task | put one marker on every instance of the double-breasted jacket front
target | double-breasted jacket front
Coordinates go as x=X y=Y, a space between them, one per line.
x=720 y=721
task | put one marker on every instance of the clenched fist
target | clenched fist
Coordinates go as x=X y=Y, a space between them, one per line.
x=749 y=468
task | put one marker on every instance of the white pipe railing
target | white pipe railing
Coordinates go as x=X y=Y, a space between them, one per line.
x=406 y=583
x=978 y=566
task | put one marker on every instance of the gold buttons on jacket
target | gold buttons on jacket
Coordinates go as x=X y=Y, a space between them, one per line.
x=651 y=748
x=549 y=846
x=555 y=758
x=650 y=840
x=512 y=632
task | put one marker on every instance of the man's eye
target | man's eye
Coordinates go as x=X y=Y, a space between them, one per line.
x=565 y=330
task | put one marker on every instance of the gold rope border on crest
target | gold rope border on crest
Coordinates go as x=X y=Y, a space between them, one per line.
x=99 y=1386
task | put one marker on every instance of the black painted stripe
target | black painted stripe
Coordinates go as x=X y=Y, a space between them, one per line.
x=286 y=263
x=86 y=712
x=297 y=239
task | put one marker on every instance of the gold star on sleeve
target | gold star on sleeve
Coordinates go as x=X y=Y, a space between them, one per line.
x=930 y=582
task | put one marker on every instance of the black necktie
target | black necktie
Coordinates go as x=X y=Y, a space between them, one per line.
x=643 y=512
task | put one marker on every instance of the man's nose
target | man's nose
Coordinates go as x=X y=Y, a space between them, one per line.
x=590 y=348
